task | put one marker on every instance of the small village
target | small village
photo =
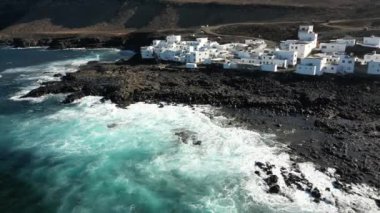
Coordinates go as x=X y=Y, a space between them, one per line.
x=306 y=56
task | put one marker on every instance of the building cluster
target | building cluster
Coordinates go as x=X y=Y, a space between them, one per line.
x=306 y=56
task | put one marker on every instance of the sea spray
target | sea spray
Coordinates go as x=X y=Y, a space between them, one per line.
x=31 y=77
x=140 y=163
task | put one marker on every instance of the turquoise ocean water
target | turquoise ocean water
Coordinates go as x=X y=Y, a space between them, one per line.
x=94 y=157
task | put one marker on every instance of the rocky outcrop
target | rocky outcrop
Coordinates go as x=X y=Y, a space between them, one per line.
x=332 y=121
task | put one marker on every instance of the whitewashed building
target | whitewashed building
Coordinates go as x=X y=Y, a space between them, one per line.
x=372 y=41
x=147 y=52
x=373 y=68
x=269 y=67
x=303 y=48
x=290 y=56
x=350 y=42
x=191 y=66
x=306 y=33
x=326 y=63
x=333 y=47
x=311 y=66
x=307 y=41
x=197 y=56
x=371 y=57
x=265 y=60
x=173 y=38
x=174 y=49
x=346 y=64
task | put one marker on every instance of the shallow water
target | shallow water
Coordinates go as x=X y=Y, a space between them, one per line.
x=94 y=157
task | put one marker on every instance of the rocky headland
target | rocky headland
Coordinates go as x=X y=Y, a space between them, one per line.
x=333 y=121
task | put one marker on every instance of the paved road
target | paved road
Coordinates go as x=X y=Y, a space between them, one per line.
x=336 y=24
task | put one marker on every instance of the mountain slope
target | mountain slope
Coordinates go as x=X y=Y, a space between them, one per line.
x=27 y=16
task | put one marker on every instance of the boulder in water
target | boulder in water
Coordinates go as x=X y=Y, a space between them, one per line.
x=111 y=126
x=186 y=135
x=274 y=189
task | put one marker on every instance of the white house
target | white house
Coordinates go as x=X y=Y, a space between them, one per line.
x=330 y=68
x=346 y=64
x=306 y=33
x=350 y=42
x=173 y=38
x=303 y=48
x=290 y=56
x=197 y=56
x=333 y=47
x=168 y=55
x=307 y=41
x=373 y=68
x=265 y=59
x=311 y=66
x=269 y=67
x=371 y=57
x=147 y=52
x=372 y=41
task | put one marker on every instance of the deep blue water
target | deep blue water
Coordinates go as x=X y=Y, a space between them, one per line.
x=94 y=157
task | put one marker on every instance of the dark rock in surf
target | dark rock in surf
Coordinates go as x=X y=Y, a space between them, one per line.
x=111 y=126
x=259 y=164
x=377 y=201
x=271 y=180
x=186 y=136
x=274 y=189
x=315 y=193
x=197 y=143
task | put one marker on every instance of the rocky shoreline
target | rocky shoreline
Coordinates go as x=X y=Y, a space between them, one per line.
x=332 y=121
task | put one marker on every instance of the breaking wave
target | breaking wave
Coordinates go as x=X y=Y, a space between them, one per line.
x=134 y=160
x=31 y=77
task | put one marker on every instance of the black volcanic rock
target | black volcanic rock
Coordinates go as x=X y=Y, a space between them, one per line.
x=271 y=180
x=329 y=120
x=274 y=189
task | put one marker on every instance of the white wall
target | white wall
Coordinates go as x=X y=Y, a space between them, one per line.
x=173 y=38
x=330 y=68
x=191 y=66
x=346 y=64
x=230 y=65
x=306 y=69
x=147 y=52
x=306 y=28
x=303 y=49
x=319 y=63
x=305 y=36
x=372 y=57
x=332 y=47
x=290 y=56
x=372 y=41
x=269 y=67
x=348 y=42
x=259 y=62
x=373 y=68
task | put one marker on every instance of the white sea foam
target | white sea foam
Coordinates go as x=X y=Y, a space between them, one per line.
x=38 y=74
x=223 y=165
